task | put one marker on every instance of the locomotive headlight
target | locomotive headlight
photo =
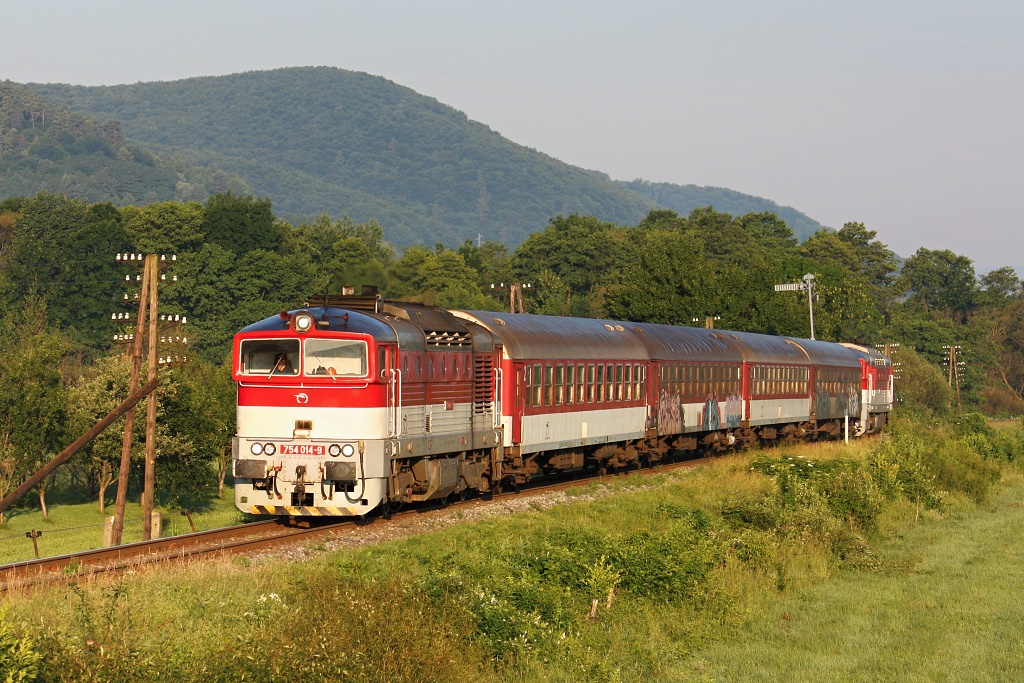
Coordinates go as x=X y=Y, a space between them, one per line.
x=269 y=448
x=256 y=449
x=348 y=450
x=302 y=322
x=334 y=450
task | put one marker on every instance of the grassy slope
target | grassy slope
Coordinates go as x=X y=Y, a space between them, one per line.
x=949 y=609
x=506 y=599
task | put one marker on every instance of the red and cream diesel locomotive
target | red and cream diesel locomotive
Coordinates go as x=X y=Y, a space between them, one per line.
x=357 y=402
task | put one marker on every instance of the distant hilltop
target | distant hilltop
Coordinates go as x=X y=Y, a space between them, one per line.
x=317 y=139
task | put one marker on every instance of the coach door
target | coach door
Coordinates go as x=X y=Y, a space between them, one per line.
x=519 y=402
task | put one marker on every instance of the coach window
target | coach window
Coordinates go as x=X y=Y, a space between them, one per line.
x=618 y=381
x=599 y=383
x=591 y=388
x=627 y=379
x=559 y=384
x=549 y=384
x=638 y=371
x=538 y=385
x=580 y=378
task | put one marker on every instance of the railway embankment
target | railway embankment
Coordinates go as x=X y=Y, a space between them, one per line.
x=617 y=581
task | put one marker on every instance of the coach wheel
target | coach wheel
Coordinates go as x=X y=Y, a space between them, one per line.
x=602 y=471
x=385 y=510
x=511 y=484
x=463 y=495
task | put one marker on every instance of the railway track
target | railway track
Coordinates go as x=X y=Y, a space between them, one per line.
x=250 y=537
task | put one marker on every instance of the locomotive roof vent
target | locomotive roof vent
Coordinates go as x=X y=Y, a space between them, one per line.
x=447 y=338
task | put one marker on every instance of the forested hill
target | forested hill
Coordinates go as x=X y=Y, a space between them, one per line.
x=49 y=147
x=685 y=198
x=319 y=139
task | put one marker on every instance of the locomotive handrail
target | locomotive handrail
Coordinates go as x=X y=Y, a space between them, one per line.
x=498 y=388
x=391 y=402
x=395 y=400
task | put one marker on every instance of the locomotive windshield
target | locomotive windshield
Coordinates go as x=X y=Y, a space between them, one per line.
x=336 y=357
x=272 y=357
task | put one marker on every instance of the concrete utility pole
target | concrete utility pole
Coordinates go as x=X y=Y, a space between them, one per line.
x=805 y=285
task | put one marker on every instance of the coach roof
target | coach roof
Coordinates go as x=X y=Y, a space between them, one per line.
x=533 y=337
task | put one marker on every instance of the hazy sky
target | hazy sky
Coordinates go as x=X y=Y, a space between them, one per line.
x=907 y=116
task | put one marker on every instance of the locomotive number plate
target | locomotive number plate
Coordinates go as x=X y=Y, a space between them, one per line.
x=303 y=449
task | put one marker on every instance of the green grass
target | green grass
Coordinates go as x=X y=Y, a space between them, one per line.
x=77 y=527
x=947 y=606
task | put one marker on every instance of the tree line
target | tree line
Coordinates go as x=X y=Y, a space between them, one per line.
x=235 y=262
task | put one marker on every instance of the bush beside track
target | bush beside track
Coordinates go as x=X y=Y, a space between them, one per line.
x=675 y=562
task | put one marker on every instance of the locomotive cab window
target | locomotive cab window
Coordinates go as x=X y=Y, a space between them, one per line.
x=270 y=357
x=336 y=357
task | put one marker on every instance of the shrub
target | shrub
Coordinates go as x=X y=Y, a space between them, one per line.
x=18 y=659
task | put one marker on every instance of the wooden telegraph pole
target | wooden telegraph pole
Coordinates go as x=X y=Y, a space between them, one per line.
x=146 y=328
x=129 y=423
x=150 y=469
x=954 y=370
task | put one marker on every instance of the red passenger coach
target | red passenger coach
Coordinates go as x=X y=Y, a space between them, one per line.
x=360 y=402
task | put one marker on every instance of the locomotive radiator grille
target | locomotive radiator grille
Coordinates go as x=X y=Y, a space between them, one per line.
x=483 y=385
